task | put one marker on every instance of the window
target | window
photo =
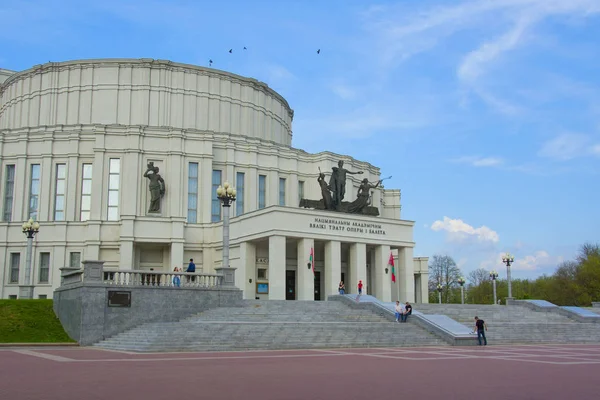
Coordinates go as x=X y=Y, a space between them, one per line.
x=75 y=259
x=262 y=191
x=114 y=172
x=42 y=296
x=44 y=267
x=282 y=191
x=216 y=203
x=300 y=191
x=9 y=190
x=59 y=192
x=261 y=273
x=12 y=296
x=15 y=260
x=192 y=215
x=34 y=191
x=239 y=188
x=86 y=192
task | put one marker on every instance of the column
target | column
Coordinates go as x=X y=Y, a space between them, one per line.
x=276 y=271
x=306 y=278
x=45 y=200
x=176 y=255
x=131 y=175
x=246 y=270
x=71 y=199
x=205 y=190
x=99 y=195
x=20 y=203
x=406 y=274
x=383 y=289
x=126 y=258
x=358 y=267
x=333 y=267
x=272 y=195
x=424 y=288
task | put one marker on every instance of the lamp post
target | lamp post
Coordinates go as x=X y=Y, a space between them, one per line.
x=461 y=282
x=508 y=259
x=493 y=276
x=30 y=228
x=439 y=289
x=226 y=194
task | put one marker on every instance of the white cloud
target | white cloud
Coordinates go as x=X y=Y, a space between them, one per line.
x=480 y=161
x=569 y=146
x=539 y=260
x=458 y=230
x=278 y=73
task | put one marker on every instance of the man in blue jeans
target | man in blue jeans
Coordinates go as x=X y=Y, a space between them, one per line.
x=191 y=268
x=480 y=327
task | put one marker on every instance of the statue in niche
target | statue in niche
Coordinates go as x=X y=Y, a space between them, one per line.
x=157 y=187
x=337 y=183
x=363 y=198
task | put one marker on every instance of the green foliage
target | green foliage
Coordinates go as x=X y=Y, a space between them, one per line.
x=30 y=321
x=575 y=283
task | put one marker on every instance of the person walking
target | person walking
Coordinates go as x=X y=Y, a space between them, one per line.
x=360 y=287
x=480 y=327
x=342 y=288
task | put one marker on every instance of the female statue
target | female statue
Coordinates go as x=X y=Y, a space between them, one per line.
x=157 y=187
x=362 y=201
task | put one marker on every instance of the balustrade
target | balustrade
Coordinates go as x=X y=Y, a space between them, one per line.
x=162 y=279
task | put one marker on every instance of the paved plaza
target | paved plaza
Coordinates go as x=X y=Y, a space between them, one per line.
x=492 y=372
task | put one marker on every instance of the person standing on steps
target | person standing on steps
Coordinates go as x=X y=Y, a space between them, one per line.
x=342 y=288
x=360 y=287
x=480 y=327
x=191 y=268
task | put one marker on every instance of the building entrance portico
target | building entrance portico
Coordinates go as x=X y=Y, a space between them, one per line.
x=295 y=262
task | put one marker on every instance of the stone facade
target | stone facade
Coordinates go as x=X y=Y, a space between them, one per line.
x=75 y=140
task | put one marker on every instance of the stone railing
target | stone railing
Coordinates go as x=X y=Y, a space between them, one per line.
x=162 y=279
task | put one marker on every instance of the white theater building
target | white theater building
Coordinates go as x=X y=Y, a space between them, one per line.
x=75 y=140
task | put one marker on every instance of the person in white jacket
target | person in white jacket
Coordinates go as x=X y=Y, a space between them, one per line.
x=399 y=310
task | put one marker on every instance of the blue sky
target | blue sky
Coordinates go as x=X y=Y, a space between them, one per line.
x=486 y=113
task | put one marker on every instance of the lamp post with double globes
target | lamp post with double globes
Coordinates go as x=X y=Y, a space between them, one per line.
x=439 y=289
x=508 y=259
x=461 y=281
x=493 y=276
x=30 y=228
x=226 y=194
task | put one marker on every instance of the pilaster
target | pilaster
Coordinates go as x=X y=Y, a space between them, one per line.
x=246 y=272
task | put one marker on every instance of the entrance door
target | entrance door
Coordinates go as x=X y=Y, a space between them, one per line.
x=290 y=285
x=317 y=285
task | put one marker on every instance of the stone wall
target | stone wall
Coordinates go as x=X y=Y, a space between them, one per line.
x=86 y=316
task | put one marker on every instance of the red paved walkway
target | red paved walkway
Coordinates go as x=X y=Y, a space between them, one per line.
x=492 y=372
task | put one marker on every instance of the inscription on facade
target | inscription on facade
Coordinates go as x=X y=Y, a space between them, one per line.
x=336 y=225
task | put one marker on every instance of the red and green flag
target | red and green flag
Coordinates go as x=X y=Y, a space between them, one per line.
x=391 y=262
x=311 y=260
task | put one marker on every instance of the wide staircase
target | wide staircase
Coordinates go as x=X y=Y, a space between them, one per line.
x=273 y=324
x=517 y=324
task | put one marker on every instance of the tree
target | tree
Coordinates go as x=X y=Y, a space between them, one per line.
x=478 y=276
x=443 y=270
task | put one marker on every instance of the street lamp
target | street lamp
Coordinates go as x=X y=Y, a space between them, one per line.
x=30 y=228
x=508 y=259
x=461 y=282
x=493 y=276
x=226 y=194
x=439 y=289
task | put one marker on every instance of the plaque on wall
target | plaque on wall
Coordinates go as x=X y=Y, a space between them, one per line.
x=117 y=298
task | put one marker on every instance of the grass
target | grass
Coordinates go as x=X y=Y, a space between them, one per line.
x=30 y=321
